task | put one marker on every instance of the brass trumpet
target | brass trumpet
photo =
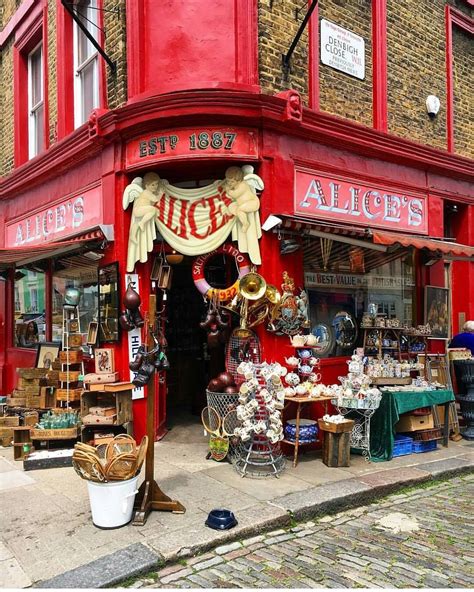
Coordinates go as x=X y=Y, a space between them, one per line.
x=264 y=307
x=252 y=286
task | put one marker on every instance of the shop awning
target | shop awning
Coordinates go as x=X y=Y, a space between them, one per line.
x=19 y=256
x=444 y=248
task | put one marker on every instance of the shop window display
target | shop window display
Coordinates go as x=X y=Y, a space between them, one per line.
x=338 y=298
x=30 y=323
x=75 y=273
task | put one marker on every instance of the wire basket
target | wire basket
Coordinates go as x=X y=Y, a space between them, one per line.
x=223 y=403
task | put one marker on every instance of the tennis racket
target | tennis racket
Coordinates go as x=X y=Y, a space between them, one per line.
x=219 y=431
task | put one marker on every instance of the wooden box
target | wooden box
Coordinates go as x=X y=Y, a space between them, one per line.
x=21 y=436
x=411 y=423
x=337 y=449
x=58 y=434
x=6 y=435
x=74 y=340
x=122 y=401
x=74 y=394
x=10 y=421
x=102 y=378
x=72 y=356
x=336 y=428
x=33 y=401
x=32 y=373
x=16 y=401
x=71 y=376
x=47 y=397
x=31 y=418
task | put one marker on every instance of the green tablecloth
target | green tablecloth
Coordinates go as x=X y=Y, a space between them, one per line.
x=382 y=425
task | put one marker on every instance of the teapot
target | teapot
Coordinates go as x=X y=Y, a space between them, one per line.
x=298 y=340
x=312 y=339
x=292 y=361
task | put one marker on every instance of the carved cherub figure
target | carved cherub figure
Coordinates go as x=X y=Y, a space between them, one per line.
x=240 y=184
x=144 y=194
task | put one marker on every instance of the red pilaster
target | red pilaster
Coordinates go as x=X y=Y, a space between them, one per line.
x=379 y=64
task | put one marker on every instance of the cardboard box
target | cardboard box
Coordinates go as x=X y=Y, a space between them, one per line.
x=412 y=423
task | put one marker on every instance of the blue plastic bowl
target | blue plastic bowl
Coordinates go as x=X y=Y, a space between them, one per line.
x=221 y=519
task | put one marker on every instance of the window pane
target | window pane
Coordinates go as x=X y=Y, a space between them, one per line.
x=35 y=76
x=30 y=317
x=88 y=17
x=340 y=294
x=71 y=272
x=88 y=81
x=39 y=128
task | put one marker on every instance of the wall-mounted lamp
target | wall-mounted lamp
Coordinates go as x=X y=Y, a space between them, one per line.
x=288 y=245
x=174 y=258
x=432 y=106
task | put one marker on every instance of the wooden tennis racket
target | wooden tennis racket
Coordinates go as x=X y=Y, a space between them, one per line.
x=219 y=431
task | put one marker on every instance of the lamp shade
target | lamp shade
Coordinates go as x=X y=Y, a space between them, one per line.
x=174 y=258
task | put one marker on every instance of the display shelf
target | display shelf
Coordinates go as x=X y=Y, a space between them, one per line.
x=381 y=334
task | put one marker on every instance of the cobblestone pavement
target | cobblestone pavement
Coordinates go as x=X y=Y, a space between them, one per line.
x=427 y=542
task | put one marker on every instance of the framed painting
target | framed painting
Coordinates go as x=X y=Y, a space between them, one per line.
x=46 y=354
x=437 y=311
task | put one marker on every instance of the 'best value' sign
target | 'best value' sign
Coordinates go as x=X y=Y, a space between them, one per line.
x=342 y=50
x=373 y=206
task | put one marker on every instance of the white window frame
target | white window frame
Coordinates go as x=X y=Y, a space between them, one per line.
x=33 y=141
x=79 y=116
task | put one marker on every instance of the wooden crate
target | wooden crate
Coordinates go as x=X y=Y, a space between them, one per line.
x=47 y=398
x=32 y=373
x=71 y=376
x=16 y=401
x=74 y=340
x=31 y=418
x=10 y=421
x=122 y=401
x=33 y=401
x=21 y=436
x=25 y=383
x=72 y=356
x=336 y=449
x=336 y=428
x=74 y=394
x=59 y=434
x=6 y=435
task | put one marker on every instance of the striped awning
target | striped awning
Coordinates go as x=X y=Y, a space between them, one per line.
x=444 y=248
x=19 y=256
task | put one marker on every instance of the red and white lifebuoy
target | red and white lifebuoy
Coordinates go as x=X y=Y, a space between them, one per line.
x=203 y=285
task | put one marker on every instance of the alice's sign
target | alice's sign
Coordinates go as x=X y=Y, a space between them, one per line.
x=317 y=196
x=66 y=218
x=194 y=142
x=342 y=50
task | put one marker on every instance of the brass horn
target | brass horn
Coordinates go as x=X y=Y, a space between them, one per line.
x=252 y=286
x=257 y=312
x=234 y=305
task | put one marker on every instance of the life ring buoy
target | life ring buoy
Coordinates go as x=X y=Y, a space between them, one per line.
x=199 y=266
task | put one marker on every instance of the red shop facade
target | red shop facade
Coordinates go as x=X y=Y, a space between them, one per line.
x=332 y=186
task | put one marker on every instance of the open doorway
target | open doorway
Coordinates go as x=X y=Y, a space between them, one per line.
x=193 y=362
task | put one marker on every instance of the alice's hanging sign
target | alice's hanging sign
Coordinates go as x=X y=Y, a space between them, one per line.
x=65 y=218
x=335 y=199
x=194 y=221
x=194 y=142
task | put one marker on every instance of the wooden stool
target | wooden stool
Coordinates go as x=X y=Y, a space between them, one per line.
x=336 y=449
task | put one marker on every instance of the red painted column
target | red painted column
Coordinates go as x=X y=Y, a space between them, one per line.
x=379 y=64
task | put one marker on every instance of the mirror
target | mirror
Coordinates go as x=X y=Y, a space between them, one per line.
x=108 y=303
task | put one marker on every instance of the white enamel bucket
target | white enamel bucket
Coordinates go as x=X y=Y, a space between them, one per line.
x=112 y=502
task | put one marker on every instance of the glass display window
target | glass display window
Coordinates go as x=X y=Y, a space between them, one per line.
x=30 y=308
x=342 y=285
x=75 y=272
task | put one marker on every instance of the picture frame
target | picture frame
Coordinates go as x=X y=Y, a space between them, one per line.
x=109 y=304
x=437 y=311
x=104 y=360
x=92 y=333
x=46 y=353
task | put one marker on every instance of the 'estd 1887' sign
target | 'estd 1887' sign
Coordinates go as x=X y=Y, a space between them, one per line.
x=193 y=142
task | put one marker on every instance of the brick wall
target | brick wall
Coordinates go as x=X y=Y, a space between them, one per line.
x=7 y=8
x=339 y=93
x=52 y=86
x=277 y=27
x=6 y=109
x=463 y=82
x=115 y=47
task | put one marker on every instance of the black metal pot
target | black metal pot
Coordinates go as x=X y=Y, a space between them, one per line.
x=466 y=369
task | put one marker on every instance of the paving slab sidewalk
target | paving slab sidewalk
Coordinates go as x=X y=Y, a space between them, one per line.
x=47 y=538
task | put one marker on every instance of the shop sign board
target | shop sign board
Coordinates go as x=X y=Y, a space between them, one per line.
x=322 y=197
x=134 y=336
x=348 y=280
x=68 y=217
x=212 y=141
x=342 y=50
